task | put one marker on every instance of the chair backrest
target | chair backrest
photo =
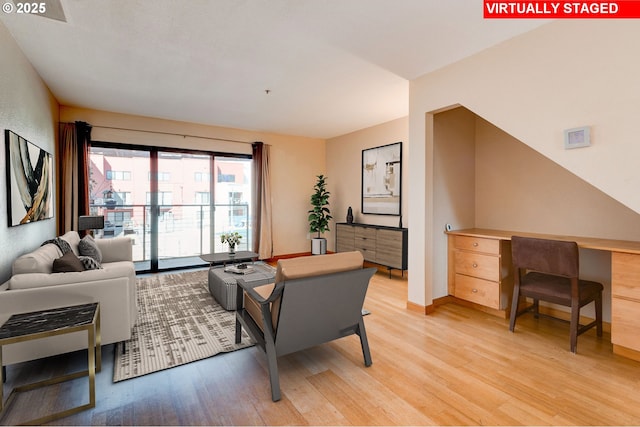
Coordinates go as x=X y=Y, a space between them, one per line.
x=545 y=256
x=311 y=266
x=318 y=309
x=308 y=266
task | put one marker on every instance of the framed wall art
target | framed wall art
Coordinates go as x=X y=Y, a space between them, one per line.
x=29 y=181
x=382 y=180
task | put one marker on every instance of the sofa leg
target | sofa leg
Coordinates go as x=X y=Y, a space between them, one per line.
x=124 y=347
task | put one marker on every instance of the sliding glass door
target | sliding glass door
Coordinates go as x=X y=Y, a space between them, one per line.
x=173 y=204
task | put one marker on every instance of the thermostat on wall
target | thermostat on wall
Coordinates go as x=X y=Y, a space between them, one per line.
x=577 y=137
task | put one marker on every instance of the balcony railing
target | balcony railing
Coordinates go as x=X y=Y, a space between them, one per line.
x=182 y=230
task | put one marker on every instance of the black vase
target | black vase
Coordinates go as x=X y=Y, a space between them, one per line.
x=349 y=215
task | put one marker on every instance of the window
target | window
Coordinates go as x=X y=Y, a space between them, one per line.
x=202 y=198
x=226 y=177
x=116 y=219
x=162 y=176
x=164 y=198
x=112 y=175
x=202 y=176
x=124 y=196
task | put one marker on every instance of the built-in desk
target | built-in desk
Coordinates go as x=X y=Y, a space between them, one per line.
x=480 y=271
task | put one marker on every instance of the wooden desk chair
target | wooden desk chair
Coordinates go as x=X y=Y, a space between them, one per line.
x=548 y=270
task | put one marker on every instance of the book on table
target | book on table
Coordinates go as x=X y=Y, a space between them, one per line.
x=239 y=269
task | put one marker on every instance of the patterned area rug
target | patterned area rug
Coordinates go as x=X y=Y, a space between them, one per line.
x=178 y=322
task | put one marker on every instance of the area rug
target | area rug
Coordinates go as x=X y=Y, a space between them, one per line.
x=178 y=322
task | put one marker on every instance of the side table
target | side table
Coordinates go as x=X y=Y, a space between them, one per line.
x=47 y=323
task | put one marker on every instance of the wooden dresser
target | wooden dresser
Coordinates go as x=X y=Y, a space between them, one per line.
x=480 y=272
x=378 y=244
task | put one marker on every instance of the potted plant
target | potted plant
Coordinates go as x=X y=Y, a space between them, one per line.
x=319 y=216
x=232 y=239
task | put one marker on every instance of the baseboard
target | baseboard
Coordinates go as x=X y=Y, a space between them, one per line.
x=626 y=352
x=417 y=308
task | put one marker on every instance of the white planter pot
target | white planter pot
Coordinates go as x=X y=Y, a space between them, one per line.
x=318 y=246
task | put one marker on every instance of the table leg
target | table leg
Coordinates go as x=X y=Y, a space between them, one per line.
x=92 y=365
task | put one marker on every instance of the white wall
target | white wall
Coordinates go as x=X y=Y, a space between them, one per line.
x=565 y=74
x=28 y=109
x=344 y=169
x=486 y=178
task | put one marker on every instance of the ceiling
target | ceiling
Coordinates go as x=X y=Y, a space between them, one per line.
x=317 y=68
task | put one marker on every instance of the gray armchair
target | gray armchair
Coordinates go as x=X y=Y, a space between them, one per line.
x=314 y=300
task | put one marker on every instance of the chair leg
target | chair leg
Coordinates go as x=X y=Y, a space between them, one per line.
x=238 y=331
x=514 y=308
x=598 y=302
x=536 y=308
x=272 y=362
x=575 y=325
x=362 y=333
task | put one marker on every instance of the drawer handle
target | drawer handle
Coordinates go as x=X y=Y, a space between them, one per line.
x=475 y=291
x=475 y=265
x=475 y=244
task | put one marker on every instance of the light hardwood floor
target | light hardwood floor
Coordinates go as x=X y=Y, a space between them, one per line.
x=456 y=366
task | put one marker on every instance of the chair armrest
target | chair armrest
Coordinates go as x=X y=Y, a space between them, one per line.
x=277 y=291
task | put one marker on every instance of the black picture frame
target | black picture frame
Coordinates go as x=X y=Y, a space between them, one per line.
x=29 y=181
x=382 y=180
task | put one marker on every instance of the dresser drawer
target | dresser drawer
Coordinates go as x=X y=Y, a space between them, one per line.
x=365 y=242
x=478 y=244
x=479 y=291
x=477 y=265
x=625 y=275
x=390 y=239
x=366 y=233
x=389 y=256
x=625 y=322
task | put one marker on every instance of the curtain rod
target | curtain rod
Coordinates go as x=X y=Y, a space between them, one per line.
x=168 y=133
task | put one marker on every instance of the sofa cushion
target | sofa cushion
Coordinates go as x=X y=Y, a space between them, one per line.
x=89 y=263
x=39 y=260
x=88 y=247
x=109 y=271
x=73 y=239
x=68 y=262
x=116 y=249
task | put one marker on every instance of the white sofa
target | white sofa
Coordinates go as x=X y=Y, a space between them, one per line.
x=33 y=286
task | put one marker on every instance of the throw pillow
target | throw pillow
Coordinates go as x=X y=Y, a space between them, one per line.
x=67 y=263
x=88 y=247
x=89 y=263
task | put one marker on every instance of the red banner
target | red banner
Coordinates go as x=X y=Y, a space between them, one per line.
x=561 y=9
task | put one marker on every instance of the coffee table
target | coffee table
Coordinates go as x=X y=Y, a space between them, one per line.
x=225 y=258
x=222 y=284
x=47 y=323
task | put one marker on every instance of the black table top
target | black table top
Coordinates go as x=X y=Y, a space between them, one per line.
x=48 y=320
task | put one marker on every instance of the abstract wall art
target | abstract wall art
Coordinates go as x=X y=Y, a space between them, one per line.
x=382 y=180
x=29 y=181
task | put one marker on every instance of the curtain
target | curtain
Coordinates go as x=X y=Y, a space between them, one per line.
x=73 y=174
x=262 y=235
